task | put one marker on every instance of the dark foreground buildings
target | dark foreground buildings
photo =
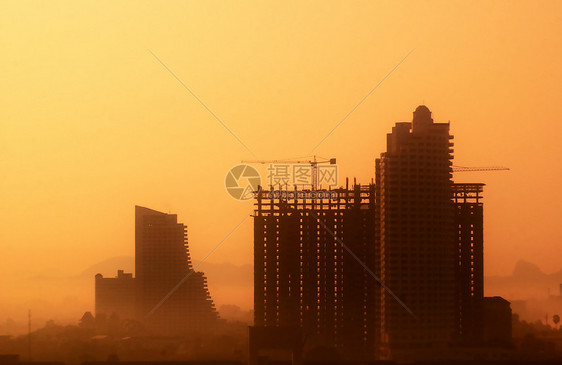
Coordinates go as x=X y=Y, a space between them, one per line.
x=415 y=229
x=116 y=295
x=416 y=241
x=162 y=295
x=469 y=228
x=305 y=283
x=162 y=261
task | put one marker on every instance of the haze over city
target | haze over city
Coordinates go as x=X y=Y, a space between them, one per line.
x=98 y=114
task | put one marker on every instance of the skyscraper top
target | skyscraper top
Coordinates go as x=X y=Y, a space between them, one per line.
x=146 y=211
x=422 y=118
x=423 y=108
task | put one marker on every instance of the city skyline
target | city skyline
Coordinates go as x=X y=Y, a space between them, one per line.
x=406 y=285
x=170 y=105
x=484 y=104
x=248 y=303
x=388 y=271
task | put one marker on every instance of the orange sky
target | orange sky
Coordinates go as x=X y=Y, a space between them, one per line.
x=91 y=124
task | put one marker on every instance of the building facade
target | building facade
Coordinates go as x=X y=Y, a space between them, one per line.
x=305 y=277
x=168 y=299
x=416 y=238
x=497 y=319
x=166 y=294
x=115 y=296
x=469 y=226
x=414 y=229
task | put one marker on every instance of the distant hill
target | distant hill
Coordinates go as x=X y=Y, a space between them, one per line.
x=109 y=267
x=533 y=294
x=526 y=282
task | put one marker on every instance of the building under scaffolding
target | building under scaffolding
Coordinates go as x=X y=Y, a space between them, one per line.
x=304 y=276
x=469 y=221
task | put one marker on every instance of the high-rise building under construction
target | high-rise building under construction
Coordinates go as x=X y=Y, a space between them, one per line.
x=469 y=222
x=305 y=277
x=317 y=264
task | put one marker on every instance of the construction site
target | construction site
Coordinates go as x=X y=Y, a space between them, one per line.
x=304 y=277
x=392 y=270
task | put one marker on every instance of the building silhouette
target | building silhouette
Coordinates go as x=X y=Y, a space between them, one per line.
x=305 y=283
x=166 y=294
x=497 y=322
x=415 y=229
x=416 y=241
x=162 y=261
x=115 y=295
x=469 y=225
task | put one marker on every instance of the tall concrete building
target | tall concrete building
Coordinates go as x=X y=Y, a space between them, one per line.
x=162 y=261
x=306 y=282
x=162 y=295
x=416 y=238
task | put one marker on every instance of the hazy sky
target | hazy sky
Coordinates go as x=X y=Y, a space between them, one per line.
x=91 y=124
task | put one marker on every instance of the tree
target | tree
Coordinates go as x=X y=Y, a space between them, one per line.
x=556 y=319
x=87 y=321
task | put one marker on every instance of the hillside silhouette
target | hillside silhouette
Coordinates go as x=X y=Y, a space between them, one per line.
x=527 y=281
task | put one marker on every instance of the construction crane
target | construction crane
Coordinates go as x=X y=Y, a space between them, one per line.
x=314 y=163
x=486 y=168
x=332 y=161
